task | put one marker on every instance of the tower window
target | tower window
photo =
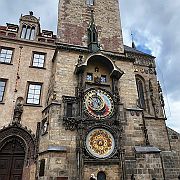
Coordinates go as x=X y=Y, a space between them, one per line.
x=90 y=2
x=140 y=89
x=32 y=35
x=38 y=60
x=6 y=55
x=34 y=93
x=101 y=176
x=89 y=77
x=28 y=32
x=23 y=33
x=2 y=88
x=94 y=36
x=69 y=109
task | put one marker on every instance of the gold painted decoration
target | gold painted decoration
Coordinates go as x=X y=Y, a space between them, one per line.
x=98 y=104
x=100 y=143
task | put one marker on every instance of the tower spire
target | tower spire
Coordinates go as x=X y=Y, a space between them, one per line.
x=93 y=35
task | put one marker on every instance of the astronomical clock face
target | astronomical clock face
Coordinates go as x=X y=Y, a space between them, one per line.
x=98 y=104
x=100 y=143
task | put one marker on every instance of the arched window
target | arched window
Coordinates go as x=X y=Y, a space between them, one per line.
x=28 y=33
x=94 y=36
x=23 y=33
x=140 y=89
x=32 y=35
x=101 y=176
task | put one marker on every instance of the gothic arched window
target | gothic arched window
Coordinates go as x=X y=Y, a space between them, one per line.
x=101 y=176
x=28 y=32
x=32 y=36
x=23 y=33
x=141 y=91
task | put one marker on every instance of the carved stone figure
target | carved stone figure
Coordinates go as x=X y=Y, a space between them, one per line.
x=18 y=110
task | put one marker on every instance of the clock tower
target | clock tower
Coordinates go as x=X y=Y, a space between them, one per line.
x=75 y=17
x=103 y=100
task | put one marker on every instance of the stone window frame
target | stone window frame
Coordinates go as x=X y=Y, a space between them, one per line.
x=29 y=83
x=44 y=126
x=5 y=58
x=42 y=164
x=90 y=2
x=4 y=89
x=141 y=94
x=27 y=31
x=33 y=62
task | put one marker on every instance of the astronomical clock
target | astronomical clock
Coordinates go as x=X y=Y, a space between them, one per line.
x=98 y=104
x=98 y=122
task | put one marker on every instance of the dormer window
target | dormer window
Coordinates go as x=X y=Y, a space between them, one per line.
x=12 y=27
x=48 y=34
x=28 y=32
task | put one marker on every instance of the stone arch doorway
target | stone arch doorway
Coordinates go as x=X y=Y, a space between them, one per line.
x=18 y=147
x=12 y=155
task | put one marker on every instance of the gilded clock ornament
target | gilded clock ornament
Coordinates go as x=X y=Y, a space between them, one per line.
x=98 y=104
x=100 y=143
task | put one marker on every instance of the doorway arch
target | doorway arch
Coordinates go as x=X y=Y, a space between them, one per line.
x=18 y=149
x=12 y=156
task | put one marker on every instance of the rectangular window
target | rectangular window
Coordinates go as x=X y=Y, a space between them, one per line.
x=38 y=60
x=69 y=109
x=89 y=77
x=6 y=55
x=103 y=79
x=42 y=167
x=2 y=88
x=90 y=2
x=34 y=93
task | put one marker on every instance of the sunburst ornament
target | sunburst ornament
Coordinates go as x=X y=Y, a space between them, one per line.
x=100 y=143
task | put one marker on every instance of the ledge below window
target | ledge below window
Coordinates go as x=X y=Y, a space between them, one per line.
x=34 y=105
x=37 y=67
x=6 y=63
x=2 y=103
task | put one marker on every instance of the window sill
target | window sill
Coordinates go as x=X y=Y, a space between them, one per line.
x=99 y=84
x=6 y=63
x=33 y=105
x=2 y=103
x=37 y=67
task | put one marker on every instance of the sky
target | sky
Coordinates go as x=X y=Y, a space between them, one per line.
x=155 y=28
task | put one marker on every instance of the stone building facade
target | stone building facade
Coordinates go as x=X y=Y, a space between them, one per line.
x=81 y=103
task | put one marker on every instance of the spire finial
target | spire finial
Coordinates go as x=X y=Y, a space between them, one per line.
x=92 y=16
x=31 y=13
x=132 y=38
